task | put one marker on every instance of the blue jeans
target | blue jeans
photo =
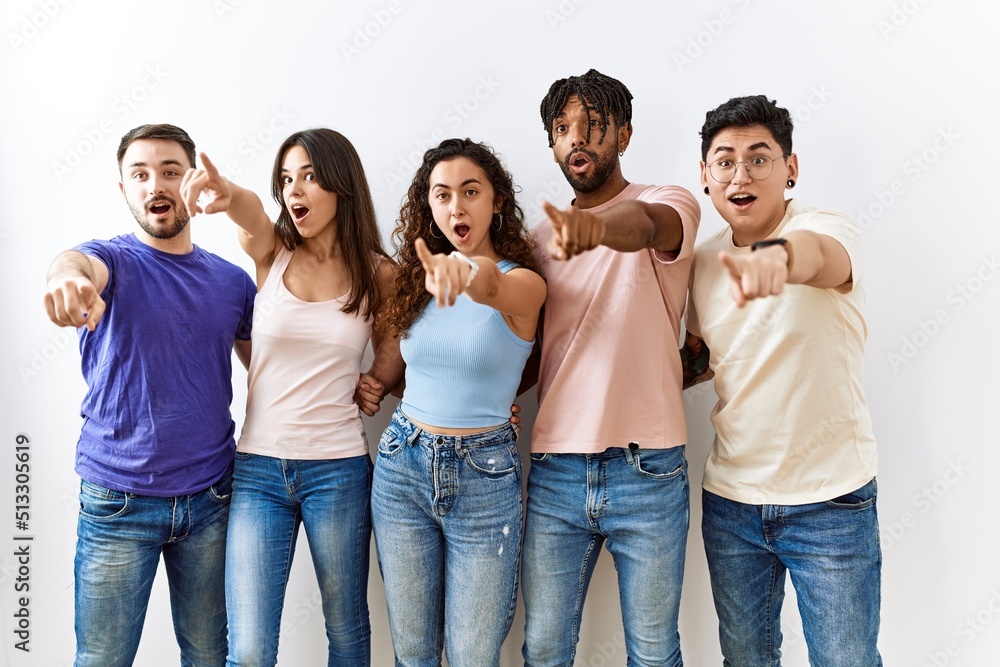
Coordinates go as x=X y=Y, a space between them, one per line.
x=637 y=503
x=271 y=497
x=447 y=517
x=120 y=537
x=831 y=549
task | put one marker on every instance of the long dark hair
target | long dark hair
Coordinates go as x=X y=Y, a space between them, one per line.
x=338 y=169
x=416 y=221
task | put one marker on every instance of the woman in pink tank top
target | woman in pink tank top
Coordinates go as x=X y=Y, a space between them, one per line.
x=302 y=457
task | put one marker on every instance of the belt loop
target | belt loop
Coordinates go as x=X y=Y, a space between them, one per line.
x=410 y=439
x=631 y=452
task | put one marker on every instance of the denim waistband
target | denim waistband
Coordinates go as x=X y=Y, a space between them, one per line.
x=414 y=435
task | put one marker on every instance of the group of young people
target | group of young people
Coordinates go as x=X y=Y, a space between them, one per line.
x=469 y=310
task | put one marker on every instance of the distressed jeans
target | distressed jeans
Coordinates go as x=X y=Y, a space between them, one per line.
x=446 y=512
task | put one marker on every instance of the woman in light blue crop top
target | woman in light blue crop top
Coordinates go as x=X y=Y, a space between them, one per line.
x=446 y=495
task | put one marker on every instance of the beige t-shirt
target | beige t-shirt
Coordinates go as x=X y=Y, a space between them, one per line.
x=610 y=370
x=792 y=424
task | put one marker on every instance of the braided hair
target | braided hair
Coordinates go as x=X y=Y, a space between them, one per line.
x=607 y=96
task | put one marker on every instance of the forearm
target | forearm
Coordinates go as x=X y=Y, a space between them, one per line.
x=694 y=361
x=247 y=211
x=71 y=264
x=816 y=260
x=633 y=225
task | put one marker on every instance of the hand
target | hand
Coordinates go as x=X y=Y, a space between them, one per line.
x=574 y=231
x=757 y=274
x=74 y=302
x=447 y=277
x=515 y=414
x=369 y=394
x=206 y=180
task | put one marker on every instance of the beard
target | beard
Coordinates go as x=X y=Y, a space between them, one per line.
x=603 y=167
x=162 y=231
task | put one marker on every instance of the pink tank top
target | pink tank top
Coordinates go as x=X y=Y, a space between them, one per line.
x=304 y=367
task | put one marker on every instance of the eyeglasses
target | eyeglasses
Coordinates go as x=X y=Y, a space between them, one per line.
x=758 y=168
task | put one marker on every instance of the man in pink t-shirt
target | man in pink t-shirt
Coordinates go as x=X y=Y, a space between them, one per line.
x=607 y=446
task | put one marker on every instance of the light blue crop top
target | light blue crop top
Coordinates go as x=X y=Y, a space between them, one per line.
x=463 y=364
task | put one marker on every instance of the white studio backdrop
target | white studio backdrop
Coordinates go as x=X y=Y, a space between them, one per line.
x=895 y=110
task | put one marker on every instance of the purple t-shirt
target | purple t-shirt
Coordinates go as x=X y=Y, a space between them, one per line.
x=159 y=369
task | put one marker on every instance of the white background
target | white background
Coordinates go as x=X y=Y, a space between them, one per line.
x=895 y=109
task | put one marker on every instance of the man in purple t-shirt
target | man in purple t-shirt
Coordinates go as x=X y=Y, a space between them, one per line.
x=158 y=320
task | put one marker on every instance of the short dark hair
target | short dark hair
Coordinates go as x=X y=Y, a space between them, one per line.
x=605 y=95
x=156 y=131
x=744 y=112
x=339 y=170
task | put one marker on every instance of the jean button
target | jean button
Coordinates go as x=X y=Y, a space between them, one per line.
x=440 y=441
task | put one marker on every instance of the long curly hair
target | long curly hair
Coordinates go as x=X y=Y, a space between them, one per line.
x=338 y=169
x=416 y=221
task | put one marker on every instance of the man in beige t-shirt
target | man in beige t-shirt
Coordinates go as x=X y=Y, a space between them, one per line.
x=607 y=445
x=776 y=310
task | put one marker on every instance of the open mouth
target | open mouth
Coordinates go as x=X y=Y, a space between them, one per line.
x=463 y=231
x=578 y=162
x=159 y=207
x=742 y=201
x=299 y=212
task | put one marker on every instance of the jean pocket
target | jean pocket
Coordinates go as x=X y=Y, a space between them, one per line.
x=222 y=490
x=859 y=499
x=493 y=460
x=660 y=463
x=102 y=504
x=391 y=441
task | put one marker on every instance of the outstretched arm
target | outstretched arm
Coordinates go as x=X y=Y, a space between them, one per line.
x=517 y=294
x=73 y=293
x=628 y=226
x=807 y=258
x=257 y=233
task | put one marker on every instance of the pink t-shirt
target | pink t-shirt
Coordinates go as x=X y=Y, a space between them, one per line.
x=610 y=370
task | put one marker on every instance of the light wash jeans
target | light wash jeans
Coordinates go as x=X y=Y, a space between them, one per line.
x=271 y=497
x=831 y=549
x=636 y=502
x=447 y=517
x=120 y=537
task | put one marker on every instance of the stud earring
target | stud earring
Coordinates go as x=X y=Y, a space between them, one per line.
x=706 y=190
x=790 y=183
